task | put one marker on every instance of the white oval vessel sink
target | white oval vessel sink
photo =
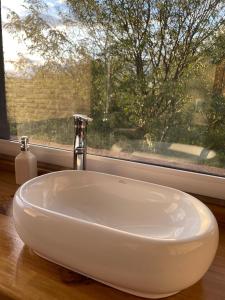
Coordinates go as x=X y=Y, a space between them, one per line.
x=145 y=239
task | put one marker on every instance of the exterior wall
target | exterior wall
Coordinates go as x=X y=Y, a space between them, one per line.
x=48 y=95
x=219 y=79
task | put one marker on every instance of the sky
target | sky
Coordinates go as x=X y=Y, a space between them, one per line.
x=11 y=46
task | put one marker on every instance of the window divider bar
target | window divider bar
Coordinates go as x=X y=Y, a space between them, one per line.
x=4 y=124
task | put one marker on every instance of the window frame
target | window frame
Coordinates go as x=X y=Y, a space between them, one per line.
x=4 y=125
x=192 y=182
x=187 y=181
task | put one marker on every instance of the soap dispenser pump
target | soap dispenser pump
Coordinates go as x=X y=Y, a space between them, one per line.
x=25 y=162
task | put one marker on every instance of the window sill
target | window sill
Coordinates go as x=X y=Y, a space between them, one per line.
x=195 y=183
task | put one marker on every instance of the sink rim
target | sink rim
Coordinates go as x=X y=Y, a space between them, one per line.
x=179 y=239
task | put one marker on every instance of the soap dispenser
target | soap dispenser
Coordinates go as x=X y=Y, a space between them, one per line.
x=25 y=162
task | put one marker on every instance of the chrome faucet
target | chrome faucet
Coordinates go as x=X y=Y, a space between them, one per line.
x=80 y=141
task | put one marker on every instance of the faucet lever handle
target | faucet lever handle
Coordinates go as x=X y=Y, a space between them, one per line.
x=82 y=118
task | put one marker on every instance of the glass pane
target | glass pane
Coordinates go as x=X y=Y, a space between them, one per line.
x=151 y=74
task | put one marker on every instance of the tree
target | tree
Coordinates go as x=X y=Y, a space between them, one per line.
x=146 y=51
x=215 y=106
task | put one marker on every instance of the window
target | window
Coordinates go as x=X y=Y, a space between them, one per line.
x=150 y=73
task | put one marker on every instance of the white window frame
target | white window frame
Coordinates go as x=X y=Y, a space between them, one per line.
x=197 y=183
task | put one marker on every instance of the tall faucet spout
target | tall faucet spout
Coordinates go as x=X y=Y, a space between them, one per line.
x=80 y=141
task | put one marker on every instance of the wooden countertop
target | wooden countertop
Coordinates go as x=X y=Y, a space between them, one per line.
x=26 y=276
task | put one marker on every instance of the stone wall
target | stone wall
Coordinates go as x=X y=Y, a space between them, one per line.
x=48 y=95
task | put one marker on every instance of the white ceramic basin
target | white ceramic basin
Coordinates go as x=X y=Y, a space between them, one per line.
x=141 y=238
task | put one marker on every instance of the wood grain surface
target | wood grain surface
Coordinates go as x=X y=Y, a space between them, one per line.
x=26 y=276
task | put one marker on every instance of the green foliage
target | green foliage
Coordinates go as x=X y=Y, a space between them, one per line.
x=215 y=112
x=216 y=51
x=145 y=57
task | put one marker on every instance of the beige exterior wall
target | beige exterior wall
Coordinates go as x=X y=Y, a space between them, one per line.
x=48 y=95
